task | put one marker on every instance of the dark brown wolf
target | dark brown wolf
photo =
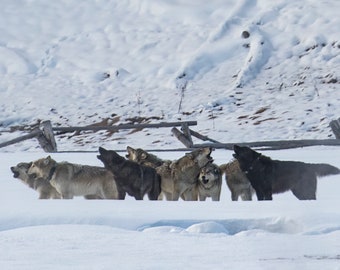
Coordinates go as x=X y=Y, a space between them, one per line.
x=269 y=176
x=131 y=177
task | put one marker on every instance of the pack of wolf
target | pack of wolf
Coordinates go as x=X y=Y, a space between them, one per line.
x=192 y=177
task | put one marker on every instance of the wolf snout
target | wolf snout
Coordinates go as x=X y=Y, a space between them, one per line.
x=236 y=148
x=204 y=180
x=102 y=154
x=15 y=172
x=102 y=150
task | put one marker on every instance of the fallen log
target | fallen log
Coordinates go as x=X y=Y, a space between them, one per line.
x=181 y=137
x=273 y=145
x=30 y=135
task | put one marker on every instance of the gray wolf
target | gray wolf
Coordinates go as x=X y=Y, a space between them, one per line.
x=167 y=182
x=269 y=176
x=209 y=182
x=237 y=181
x=185 y=173
x=131 y=177
x=45 y=190
x=162 y=167
x=74 y=179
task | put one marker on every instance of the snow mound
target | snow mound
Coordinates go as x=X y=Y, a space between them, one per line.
x=228 y=227
x=207 y=227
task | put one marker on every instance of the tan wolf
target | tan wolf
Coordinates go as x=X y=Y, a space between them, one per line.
x=210 y=182
x=76 y=180
x=45 y=190
x=167 y=181
x=143 y=158
x=237 y=181
x=185 y=173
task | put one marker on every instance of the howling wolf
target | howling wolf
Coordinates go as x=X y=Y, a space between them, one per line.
x=43 y=187
x=131 y=177
x=76 y=180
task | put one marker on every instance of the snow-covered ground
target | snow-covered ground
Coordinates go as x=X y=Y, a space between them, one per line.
x=84 y=62
x=78 y=234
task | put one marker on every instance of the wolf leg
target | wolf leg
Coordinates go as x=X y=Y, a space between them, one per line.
x=246 y=195
x=234 y=196
x=306 y=189
x=66 y=196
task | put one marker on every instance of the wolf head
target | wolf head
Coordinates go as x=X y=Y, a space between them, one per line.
x=201 y=156
x=21 y=170
x=209 y=175
x=245 y=156
x=110 y=158
x=138 y=155
x=42 y=167
x=143 y=158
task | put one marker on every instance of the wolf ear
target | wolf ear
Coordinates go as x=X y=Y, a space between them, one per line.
x=144 y=155
x=47 y=160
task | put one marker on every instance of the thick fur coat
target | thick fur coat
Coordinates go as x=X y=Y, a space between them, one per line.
x=134 y=179
x=269 y=176
x=76 y=180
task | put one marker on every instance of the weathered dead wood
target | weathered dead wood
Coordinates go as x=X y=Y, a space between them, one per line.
x=46 y=137
x=202 y=137
x=273 y=145
x=335 y=126
x=186 y=131
x=31 y=135
x=181 y=137
x=124 y=126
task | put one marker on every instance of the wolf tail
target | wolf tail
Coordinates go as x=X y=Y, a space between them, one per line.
x=325 y=169
x=223 y=168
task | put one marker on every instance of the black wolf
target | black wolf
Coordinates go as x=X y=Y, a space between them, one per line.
x=269 y=176
x=132 y=178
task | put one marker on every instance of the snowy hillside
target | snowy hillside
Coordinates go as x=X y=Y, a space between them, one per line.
x=84 y=62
